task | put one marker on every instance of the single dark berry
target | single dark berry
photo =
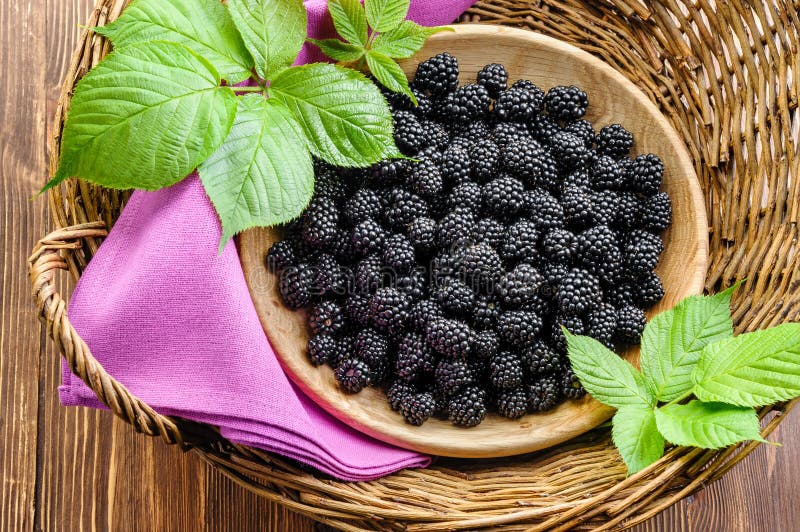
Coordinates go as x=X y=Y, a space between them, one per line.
x=486 y=345
x=421 y=232
x=422 y=313
x=518 y=104
x=296 y=286
x=539 y=359
x=543 y=127
x=614 y=141
x=353 y=375
x=437 y=75
x=484 y=156
x=455 y=227
x=364 y=203
x=404 y=207
x=415 y=360
x=435 y=134
x=521 y=242
x=605 y=206
x=397 y=392
x=445 y=264
x=553 y=273
x=455 y=165
x=408 y=132
x=452 y=376
x=330 y=278
x=573 y=324
x=505 y=132
x=467 y=103
x=629 y=213
x=414 y=284
x=527 y=160
x=502 y=197
x=489 y=231
x=642 y=250
x=583 y=130
x=657 y=212
x=618 y=294
x=328 y=184
x=544 y=393
x=648 y=290
x=630 y=324
x=455 y=297
x=601 y=323
x=319 y=223
x=388 y=171
x=559 y=245
x=468 y=408
x=568 y=150
x=389 y=309
x=481 y=266
x=367 y=236
x=579 y=292
x=417 y=408
x=520 y=286
x=519 y=328
x=425 y=179
x=566 y=103
x=322 y=348
x=605 y=174
x=356 y=308
x=571 y=386
x=398 y=254
x=543 y=209
x=466 y=195
x=485 y=312
x=599 y=252
x=370 y=274
x=512 y=404
x=326 y=317
x=494 y=78
x=578 y=208
x=506 y=370
x=577 y=178
x=645 y=173
x=449 y=338
x=471 y=133
x=371 y=346
x=280 y=256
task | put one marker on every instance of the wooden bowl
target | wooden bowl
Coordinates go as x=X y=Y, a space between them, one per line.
x=613 y=98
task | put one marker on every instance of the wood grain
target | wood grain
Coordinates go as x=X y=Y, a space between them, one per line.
x=547 y=62
x=77 y=469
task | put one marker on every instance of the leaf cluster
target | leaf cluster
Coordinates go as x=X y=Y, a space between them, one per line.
x=374 y=35
x=690 y=353
x=166 y=102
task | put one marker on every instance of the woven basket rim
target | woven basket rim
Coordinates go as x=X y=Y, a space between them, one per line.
x=82 y=214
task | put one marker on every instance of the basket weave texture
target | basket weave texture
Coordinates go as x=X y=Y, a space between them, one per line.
x=726 y=76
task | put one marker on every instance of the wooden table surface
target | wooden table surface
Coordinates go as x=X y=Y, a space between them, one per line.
x=70 y=469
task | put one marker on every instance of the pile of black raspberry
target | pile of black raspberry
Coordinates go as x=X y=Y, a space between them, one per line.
x=446 y=277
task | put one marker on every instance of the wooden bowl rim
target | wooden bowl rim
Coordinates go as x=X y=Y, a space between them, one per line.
x=575 y=417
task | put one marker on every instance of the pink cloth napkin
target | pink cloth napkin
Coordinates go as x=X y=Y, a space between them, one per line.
x=173 y=321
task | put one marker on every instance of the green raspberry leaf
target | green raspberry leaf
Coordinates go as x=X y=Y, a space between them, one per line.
x=349 y=20
x=673 y=340
x=707 y=425
x=145 y=117
x=273 y=31
x=262 y=174
x=753 y=369
x=389 y=73
x=637 y=439
x=344 y=116
x=405 y=40
x=339 y=50
x=607 y=377
x=385 y=15
x=205 y=26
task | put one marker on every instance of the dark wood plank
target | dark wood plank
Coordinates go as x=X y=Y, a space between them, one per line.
x=22 y=161
x=75 y=469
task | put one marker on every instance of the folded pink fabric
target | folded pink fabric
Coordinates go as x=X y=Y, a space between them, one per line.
x=173 y=321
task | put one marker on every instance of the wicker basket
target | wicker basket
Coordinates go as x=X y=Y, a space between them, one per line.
x=726 y=75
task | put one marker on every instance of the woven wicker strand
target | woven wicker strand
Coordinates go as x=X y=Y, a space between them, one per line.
x=725 y=75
